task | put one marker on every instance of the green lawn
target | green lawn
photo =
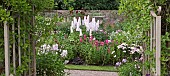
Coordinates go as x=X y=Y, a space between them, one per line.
x=91 y=67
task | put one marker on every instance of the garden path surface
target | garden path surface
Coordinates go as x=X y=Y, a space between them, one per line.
x=89 y=73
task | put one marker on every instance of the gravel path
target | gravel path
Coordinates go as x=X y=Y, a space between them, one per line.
x=90 y=73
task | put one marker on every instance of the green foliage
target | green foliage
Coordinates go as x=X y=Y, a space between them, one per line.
x=138 y=17
x=87 y=4
x=10 y=10
x=49 y=64
x=130 y=69
x=165 y=55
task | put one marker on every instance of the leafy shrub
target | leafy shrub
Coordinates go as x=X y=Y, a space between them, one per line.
x=130 y=69
x=50 y=64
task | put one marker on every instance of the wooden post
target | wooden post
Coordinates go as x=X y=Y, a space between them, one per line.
x=14 y=63
x=29 y=63
x=33 y=44
x=6 y=45
x=157 y=36
x=19 y=48
x=158 y=45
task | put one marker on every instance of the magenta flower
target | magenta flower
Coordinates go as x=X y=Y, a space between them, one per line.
x=101 y=43
x=96 y=42
x=81 y=40
x=106 y=41
x=85 y=37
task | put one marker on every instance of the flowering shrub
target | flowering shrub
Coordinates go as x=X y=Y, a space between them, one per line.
x=131 y=69
x=128 y=53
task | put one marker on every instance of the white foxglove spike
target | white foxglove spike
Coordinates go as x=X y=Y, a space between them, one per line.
x=74 y=21
x=90 y=33
x=78 y=27
x=87 y=27
x=81 y=34
x=79 y=21
x=71 y=29
x=88 y=19
x=84 y=18
x=93 y=24
x=72 y=24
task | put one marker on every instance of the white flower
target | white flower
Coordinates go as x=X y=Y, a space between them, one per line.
x=114 y=56
x=123 y=47
x=113 y=52
x=64 y=53
x=132 y=48
x=119 y=46
x=124 y=60
x=109 y=41
x=81 y=34
x=124 y=44
x=66 y=61
x=94 y=38
x=118 y=63
x=55 y=47
x=133 y=44
x=132 y=52
x=124 y=51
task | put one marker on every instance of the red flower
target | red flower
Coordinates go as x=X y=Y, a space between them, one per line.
x=81 y=40
x=85 y=37
x=77 y=11
x=101 y=43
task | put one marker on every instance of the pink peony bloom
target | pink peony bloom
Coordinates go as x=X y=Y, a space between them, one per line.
x=81 y=40
x=101 y=43
x=85 y=37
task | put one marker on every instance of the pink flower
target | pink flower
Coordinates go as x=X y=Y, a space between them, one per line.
x=91 y=38
x=85 y=37
x=101 y=43
x=117 y=31
x=96 y=42
x=141 y=59
x=81 y=40
x=106 y=41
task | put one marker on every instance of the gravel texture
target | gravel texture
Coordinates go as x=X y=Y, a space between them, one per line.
x=89 y=73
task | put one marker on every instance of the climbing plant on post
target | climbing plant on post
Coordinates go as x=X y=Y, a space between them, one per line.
x=23 y=20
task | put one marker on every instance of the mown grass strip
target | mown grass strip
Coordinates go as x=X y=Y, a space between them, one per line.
x=91 y=67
